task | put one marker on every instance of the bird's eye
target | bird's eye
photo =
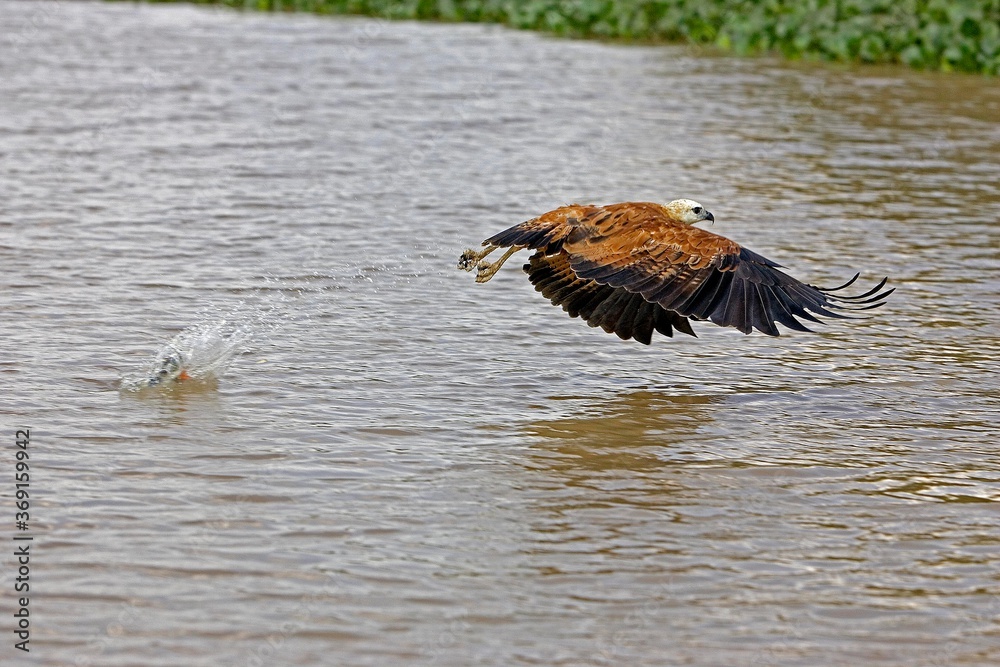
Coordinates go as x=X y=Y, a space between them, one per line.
x=697 y=209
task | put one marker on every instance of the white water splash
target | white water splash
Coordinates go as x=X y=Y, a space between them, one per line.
x=204 y=351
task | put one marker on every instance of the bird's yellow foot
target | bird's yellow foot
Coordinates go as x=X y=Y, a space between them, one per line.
x=486 y=270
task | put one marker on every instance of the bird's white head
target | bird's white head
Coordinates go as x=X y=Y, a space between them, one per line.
x=687 y=211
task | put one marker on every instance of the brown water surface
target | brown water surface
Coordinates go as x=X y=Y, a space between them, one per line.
x=407 y=468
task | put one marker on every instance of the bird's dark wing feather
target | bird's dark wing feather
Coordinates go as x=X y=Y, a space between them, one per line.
x=616 y=310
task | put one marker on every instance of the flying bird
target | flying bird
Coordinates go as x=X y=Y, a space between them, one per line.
x=638 y=267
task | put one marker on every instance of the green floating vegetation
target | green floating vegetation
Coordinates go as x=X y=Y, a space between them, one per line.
x=949 y=35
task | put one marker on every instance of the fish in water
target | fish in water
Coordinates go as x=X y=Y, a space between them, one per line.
x=171 y=368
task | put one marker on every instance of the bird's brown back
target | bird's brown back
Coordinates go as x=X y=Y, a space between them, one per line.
x=616 y=234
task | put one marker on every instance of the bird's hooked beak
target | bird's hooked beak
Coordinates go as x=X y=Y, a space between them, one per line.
x=709 y=217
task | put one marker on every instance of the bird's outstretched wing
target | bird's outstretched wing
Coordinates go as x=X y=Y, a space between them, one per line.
x=684 y=270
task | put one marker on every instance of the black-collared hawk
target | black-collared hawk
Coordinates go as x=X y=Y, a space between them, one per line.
x=638 y=267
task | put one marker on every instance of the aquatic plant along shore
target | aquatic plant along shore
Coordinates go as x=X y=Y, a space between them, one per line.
x=946 y=35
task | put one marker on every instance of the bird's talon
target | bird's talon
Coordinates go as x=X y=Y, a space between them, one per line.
x=468 y=260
